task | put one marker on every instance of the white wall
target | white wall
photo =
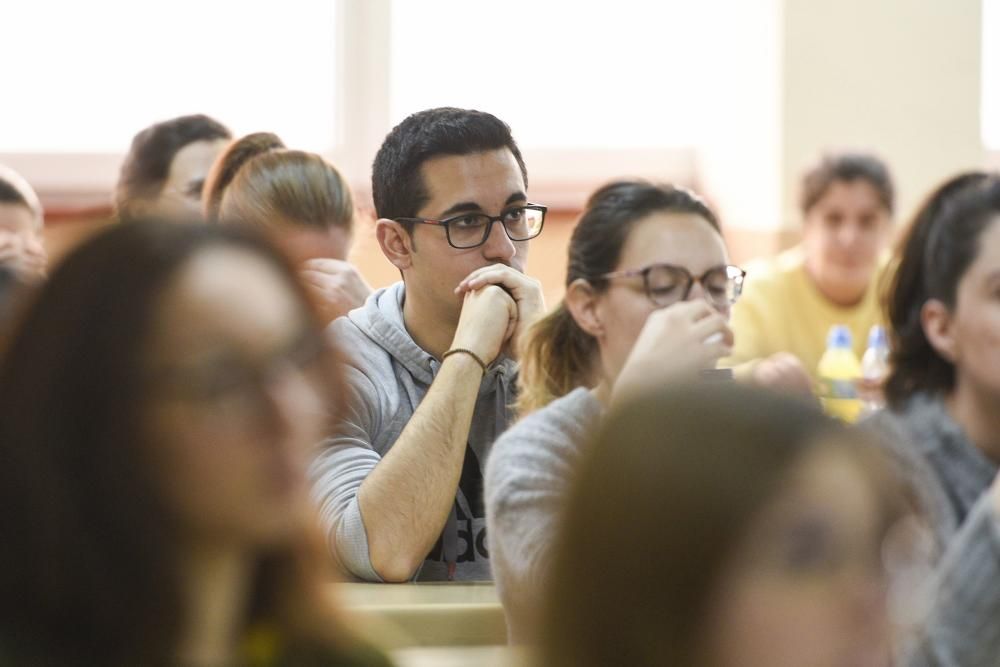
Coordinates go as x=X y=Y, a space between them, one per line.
x=900 y=77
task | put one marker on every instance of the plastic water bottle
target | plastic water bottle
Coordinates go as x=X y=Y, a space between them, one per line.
x=874 y=368
x=839 y=375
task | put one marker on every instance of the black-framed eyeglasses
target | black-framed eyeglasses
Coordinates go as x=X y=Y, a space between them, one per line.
x=666 y=284
x=470 y=230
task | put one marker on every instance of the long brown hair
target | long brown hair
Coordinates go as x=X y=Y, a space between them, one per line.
x=90 y=565
x=940 y=244
x=658 y=510
x=557 y=355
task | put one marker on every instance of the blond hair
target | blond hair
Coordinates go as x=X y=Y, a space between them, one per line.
x=258 y=181
x=556 y=357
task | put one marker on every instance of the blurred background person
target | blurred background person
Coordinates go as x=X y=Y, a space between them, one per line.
x=166 y=166
x=303 y=202
x=832 y=277
x=943 y=416
x=649 y=289
x=722 y=526
x=22 y=247
x=152 y=466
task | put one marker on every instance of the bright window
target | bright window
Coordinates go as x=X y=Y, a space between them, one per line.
x=84 y=77
x=624 y=75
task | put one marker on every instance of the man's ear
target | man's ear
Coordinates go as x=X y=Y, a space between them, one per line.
x=582 y=303
x=396 y=243
x=938 y=325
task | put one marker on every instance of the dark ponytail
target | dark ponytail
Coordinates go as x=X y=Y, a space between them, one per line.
x=940 y=245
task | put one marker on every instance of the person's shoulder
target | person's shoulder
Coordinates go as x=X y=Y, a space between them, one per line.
x=908 y=432
x=563 y=422
x=354 y=343
x=352 y=328
x=540 y=451
x=908 y=442
x=577 y=410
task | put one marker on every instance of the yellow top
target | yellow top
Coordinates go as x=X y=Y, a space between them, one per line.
x=782 y=310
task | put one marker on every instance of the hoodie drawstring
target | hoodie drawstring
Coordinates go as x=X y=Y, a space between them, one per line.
x=450 y=543
x=502 y=409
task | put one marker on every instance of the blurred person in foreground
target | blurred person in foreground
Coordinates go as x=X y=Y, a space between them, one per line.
x=724 y=526
x=157 y=406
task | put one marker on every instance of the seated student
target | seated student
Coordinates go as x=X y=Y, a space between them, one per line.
x=943 y=395
x=22 y=248
x=724 y=526
x=166 y=166
x=428 y=372
x=832 y=277
x=157 y=406
x=648 y=292
x=303 y=202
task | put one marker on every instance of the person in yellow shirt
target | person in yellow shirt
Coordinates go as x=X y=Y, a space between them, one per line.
x=832 y=277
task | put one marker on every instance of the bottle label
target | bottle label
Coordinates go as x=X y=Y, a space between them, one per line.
x=838 y=388
x=840 y=398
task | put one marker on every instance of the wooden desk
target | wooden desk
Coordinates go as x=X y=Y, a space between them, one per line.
x=477 y=656
x=428 y=614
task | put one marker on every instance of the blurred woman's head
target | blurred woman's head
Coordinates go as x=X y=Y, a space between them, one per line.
x=847 y=202
x=22 y=249
x=298 y=196
x=943 y=310
x=166 y=166
x=637 y=247
x=719 y=525
x=159 y=397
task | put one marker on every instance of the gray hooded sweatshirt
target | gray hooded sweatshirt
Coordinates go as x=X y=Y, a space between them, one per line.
x=387 y=375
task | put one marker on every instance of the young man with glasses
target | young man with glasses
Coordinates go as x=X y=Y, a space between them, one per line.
x=429 y=371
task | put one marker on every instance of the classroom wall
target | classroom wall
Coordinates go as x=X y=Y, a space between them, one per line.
x=900 y=77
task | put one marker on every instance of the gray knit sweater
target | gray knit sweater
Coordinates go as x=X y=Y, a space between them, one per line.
x=951 y=477
x=526 y=479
